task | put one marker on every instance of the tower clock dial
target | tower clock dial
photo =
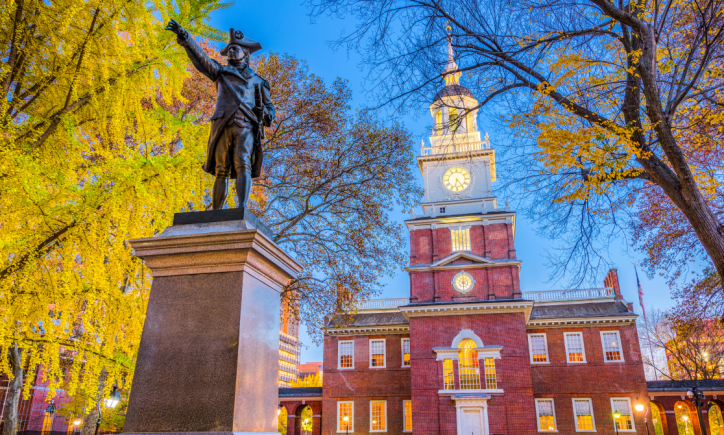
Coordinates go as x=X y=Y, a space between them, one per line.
x=456 y=179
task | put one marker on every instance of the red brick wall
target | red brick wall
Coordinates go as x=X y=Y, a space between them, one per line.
x=595 y=379
x=363 y=384
x=510 y=413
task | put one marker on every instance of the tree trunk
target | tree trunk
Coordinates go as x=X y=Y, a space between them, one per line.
x=14 y=390
x=90 y=421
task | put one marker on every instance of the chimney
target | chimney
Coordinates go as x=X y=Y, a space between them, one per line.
x=611 y=280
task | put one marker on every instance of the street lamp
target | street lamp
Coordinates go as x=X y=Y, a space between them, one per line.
x=616 y=416
x=699 y=402
x=111 y=402
x=346 y=422
x=640 y=407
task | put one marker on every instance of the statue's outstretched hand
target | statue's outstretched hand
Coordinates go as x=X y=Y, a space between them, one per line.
x=175 y=28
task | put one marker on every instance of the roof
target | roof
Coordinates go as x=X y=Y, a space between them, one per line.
x=711 y=384
x=300 y=392
x=453 y=90
x=584 y=310
x=372 y=319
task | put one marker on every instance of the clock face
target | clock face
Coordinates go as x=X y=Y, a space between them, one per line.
x=463 y=282
x=456 y=179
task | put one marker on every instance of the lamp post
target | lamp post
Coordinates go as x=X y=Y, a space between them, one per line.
x=111 y=402
x=346 y=422
x=616 y=416
x=640 y=407
x=699 y=402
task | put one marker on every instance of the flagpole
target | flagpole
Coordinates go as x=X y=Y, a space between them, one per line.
x=646 y=322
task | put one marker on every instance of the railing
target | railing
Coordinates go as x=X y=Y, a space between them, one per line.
x=570 y=295
x=382 y=304
x=454 y=148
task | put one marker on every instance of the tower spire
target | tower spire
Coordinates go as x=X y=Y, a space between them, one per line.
x=451 y=74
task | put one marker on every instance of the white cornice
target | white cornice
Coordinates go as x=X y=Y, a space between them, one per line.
x=494 y=217
x=562 y=322
x=495 y=263
x=444 y=353
x=367 y=330
x=467 y=308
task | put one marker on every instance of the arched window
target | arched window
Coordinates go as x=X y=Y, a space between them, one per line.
x=469 y=122
x=452 y=118
x=716 y=424
x=656 y=419
x=307 y=417
x=438 y=122
x=683 y=419
x=282 y=425
x=469 y=365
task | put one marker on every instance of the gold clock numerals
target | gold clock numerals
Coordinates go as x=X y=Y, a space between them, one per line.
x=456 y=179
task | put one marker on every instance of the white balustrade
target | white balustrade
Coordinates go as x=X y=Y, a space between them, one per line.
x=381 y=304
x=569 y=295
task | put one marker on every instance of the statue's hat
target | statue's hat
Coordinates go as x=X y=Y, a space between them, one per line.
x=236 y=37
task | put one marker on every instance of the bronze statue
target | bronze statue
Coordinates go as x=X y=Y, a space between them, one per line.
x=243 y=108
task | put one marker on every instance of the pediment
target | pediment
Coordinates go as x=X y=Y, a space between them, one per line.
x=472 y=259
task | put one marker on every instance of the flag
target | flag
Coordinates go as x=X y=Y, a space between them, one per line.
x=641 y=292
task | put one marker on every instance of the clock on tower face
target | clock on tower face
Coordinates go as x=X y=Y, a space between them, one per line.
x=463 y=282
x=456 y=179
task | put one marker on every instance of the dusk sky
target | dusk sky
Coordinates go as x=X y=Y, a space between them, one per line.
x=285 y=27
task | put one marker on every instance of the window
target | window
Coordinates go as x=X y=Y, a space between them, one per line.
x=442 y=209
x=546 y=415
x=468 y=365
x=48 y=420
x=574 y=347
x=346 y=354
x=452 y=118
x=438 y=122
x=623 y=406
x=611 y=346
x=378 y=416
x=460 y=239
x=405 y=352
x=407 y=404
x=469 y=122
x=377 y=353
x=448 y=375
x=538 y=348
x=583 y=411
x=345 y=416
x=490 y=382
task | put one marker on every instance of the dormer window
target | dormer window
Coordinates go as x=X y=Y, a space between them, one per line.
x=460 y=239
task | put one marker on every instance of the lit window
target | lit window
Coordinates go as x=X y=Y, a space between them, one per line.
x=345 y=416
x=460 y=239
x=448 y=375
x=583 y=411
x=405 y=352
x=377 y=353
x=546 y=415
x=470 y=124
x=490 y=382
x=611 y=346
x=452 y=118
x=538 y=348
x=468 y=365
x=378 y=416
x=346 y=354
x=48 y=421
x=408 y=415
x=623 y=406
x=438 y=122
x=574 y=347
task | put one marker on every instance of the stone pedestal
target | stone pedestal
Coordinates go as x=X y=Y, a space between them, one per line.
x=209 y=355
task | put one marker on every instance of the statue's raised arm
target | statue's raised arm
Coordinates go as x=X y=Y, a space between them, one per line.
x=243 y=108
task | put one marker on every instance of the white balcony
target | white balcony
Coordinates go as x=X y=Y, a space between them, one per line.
x=570 y=295
x=383 y=304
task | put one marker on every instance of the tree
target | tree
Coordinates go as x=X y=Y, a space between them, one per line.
x=88 y=161
x=610 y=102
x=314 y=380
x=693 y=347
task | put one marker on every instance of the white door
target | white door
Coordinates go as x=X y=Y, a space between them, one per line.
x=472 y=422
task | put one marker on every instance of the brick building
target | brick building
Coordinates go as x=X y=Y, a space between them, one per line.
x=469 y=352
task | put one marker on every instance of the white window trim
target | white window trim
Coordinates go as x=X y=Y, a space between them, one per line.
x=583 y=347
x=339 y=354
x=461 y=228
x=537 y=416
x=385 y=403
x=530 y=348
x=593 y=417
x=630 y=410
x=384 y=353
x=351 y=417
x=620 y=344
x=404 y=416
x=402 y=351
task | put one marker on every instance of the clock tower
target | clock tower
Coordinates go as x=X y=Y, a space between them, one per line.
x=462 y=244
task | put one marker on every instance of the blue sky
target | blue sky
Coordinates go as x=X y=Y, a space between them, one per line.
x=283 y=26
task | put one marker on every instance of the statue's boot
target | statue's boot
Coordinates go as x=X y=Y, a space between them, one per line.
x=243 y=188
x=218 y=197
